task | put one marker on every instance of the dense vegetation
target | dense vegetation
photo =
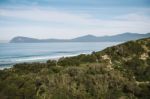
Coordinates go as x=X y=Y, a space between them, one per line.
x=118 y=72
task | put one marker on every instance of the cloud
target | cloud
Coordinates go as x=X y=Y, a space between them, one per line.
x=72 y=24
x=133 y=17
x=70 y=18
x=45 y=15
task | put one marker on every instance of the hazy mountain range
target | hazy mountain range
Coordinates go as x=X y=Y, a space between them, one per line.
x=87 y=38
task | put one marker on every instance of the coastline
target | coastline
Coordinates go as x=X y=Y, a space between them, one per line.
x=19 y=53
x=41 y=60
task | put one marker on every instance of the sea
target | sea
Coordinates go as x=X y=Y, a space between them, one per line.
x=12 y=53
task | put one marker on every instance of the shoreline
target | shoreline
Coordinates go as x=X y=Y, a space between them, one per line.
x=45 y=54
x=41 y=60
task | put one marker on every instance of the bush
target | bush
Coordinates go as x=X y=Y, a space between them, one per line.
x=29 y=67
x=69 y=61
x=51 y=63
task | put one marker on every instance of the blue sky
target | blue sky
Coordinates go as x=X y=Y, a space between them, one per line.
x=71 y=18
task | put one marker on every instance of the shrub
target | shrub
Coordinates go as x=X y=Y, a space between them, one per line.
x=51 y=63
x=68 y=61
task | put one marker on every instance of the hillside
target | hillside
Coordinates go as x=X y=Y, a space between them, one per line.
x=87 y=38
x=118 y=72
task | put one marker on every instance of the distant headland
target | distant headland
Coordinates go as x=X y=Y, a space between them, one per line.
x=87 y=38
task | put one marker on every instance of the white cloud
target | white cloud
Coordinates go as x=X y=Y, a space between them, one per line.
x=82 y=24
x=71 y=18
x=45 y=15
x=133 y=17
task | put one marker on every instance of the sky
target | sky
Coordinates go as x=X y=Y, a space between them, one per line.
x=71 y=18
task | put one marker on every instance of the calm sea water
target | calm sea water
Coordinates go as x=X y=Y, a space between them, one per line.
x=12 y=53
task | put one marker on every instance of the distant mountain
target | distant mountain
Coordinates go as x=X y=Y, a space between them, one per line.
x=20 y=39
x=86 y=38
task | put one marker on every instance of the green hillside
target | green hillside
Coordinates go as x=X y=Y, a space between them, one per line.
x=118 y=72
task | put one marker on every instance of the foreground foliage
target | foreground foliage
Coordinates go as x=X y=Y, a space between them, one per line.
x=118 y=72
